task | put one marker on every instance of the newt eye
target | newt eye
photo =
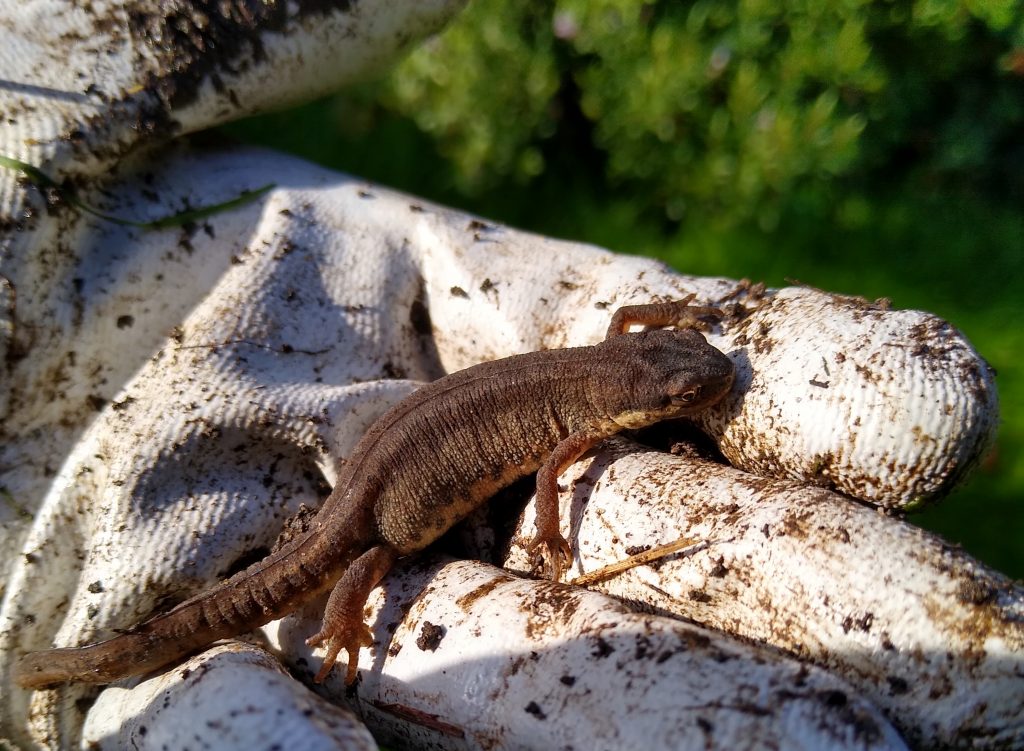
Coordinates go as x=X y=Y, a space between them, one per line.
x=687 y=397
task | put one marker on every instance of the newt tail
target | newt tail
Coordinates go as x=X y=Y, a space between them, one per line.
x=267 y=590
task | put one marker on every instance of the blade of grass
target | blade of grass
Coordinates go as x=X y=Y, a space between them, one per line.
x=39 y=178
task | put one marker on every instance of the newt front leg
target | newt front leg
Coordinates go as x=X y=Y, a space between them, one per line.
x=677 y=313
x=555 y=549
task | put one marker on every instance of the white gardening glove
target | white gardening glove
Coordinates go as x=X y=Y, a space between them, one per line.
x=174 y=395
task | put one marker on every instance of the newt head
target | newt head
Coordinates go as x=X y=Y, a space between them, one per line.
x=661 y=374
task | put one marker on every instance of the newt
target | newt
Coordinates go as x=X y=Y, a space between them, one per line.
x=419 y=469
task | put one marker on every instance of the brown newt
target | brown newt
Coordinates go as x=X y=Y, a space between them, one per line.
x=420 y=468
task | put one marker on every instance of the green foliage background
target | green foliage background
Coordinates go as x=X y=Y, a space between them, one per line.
x=870 y=147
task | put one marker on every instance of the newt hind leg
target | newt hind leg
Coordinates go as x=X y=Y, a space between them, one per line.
x=343 y=626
